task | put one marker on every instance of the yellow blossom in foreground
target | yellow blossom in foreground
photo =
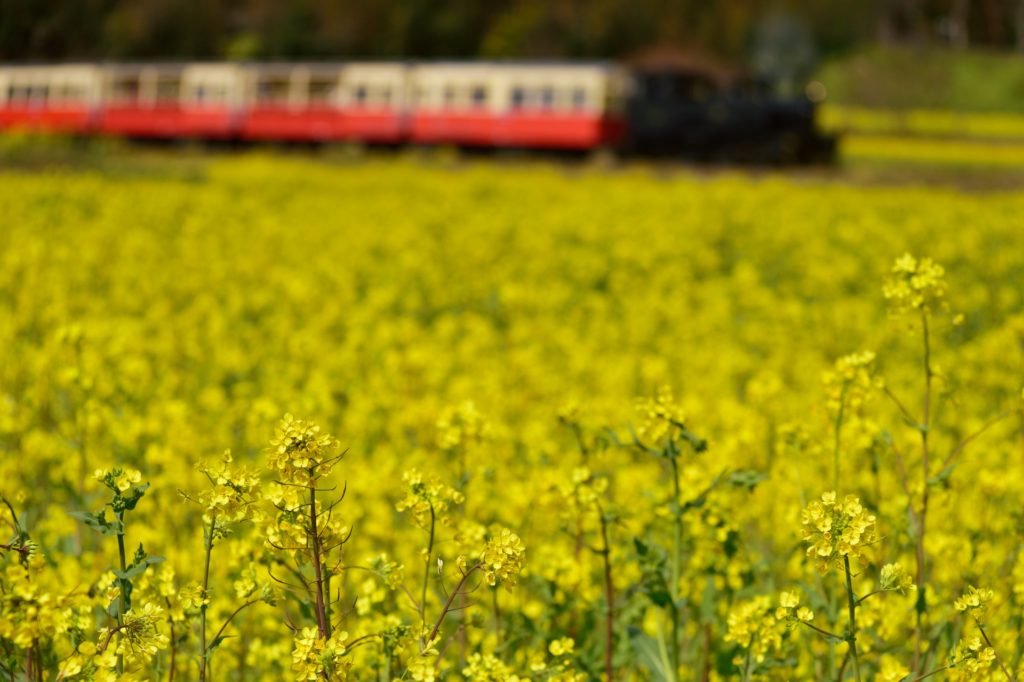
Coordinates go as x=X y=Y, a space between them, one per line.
x=895 y=578
x=502 y=558
x=972 y=656
x=315 y=657
x=300 y=453
x=836 y=530
x=753 y=626
x=974 y=602
x=561 y=647
x=789 y=609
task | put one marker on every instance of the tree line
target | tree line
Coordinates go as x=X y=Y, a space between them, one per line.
x=318 y=29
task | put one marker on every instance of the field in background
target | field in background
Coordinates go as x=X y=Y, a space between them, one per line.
x=928 y=112
x=937 y=79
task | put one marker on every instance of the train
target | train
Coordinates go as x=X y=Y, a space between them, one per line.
x=566 y=106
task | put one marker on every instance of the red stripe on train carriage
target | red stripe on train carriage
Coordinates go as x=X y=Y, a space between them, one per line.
x=553 y=130
x=65 y=119
x=320 y=123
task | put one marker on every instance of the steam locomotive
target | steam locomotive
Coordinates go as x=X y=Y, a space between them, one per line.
x=573 y=106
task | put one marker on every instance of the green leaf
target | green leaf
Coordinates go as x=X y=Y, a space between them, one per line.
x=115 y=606
x=747 y=478
x=131 y=497
x=214 y=644
x=137 y=569
x=98 y=522
x=942 y=478
x=651 y=656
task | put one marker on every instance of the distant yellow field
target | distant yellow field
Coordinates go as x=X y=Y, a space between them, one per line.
x=937 y=152
x=926 y=122
x=595 y=426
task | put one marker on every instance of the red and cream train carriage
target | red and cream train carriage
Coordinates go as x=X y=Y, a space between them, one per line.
x=555 y=105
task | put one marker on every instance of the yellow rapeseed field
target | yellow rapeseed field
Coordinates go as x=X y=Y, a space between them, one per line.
x=282 y=420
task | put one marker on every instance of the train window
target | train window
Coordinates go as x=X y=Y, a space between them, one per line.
x=518 y=98
x=18 y=93
x=449 y=96
x=579 y=99
x=385 y=95
x=321 y=90
x=167 y=89
x=38 y=93
x=479 y=96
x=67 y=92
x=126 y=90
x=360 y=95
x=547 y=98
x=210 y=94
x=272 y=91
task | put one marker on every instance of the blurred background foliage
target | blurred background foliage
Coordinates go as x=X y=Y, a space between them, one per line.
x=267 y=29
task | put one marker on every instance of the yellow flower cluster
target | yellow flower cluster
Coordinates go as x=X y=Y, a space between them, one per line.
x=119 y=479
x=234 y=491
x=791 y=611
x=561 y=647
x=28 y=610
x=427 y=498
x=850 y=382
x=972 y=656
x=141 y=636
x=915 y=285
x=893 y=577
x=974 y=602
x=835 y=530
x=661 y=416
x=503 y=558
x=489 y=668
x=461 y=425
x=90 y=663
x=753 y=626
x=319 y=658
x=300 y=453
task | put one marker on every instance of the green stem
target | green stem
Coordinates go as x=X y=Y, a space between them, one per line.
x=323 y=627
x=426 y=573
x=861 y=600
x=823 y=632
x=123 y=584
x=984 y=636
x=746 y=664
x=931 y=674
x=448 y=604
x=208 y=550
x=609 y=596
x=852 y=637
x=230 y=618
x=919 y=554
x=174 y=642
x=677 y=541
